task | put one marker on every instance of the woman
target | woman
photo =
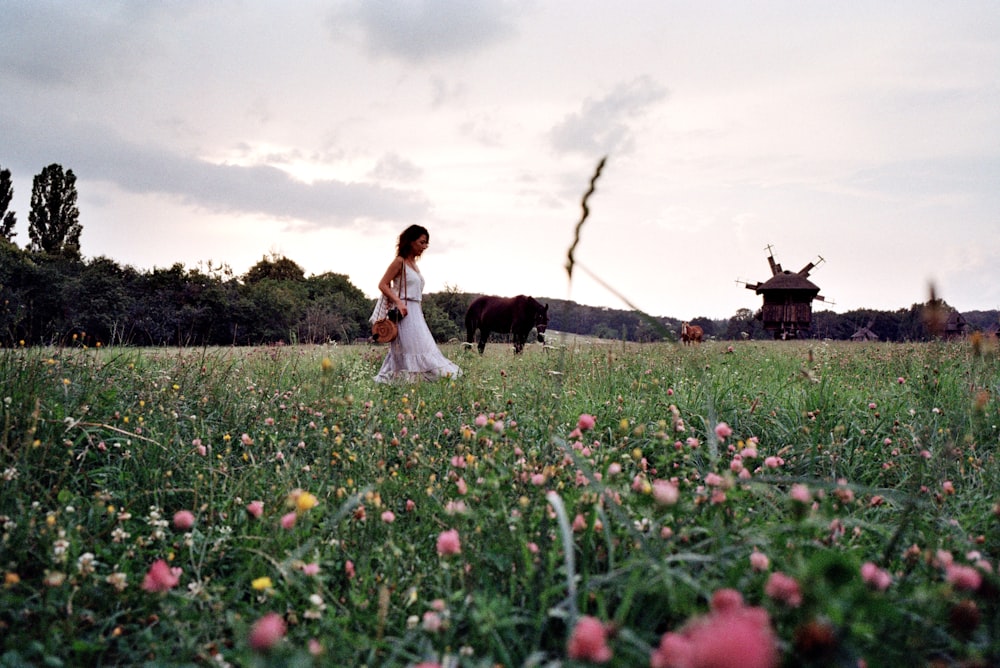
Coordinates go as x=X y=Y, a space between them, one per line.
x=413 y=355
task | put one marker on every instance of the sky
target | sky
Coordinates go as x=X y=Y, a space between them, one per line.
x=863 y=133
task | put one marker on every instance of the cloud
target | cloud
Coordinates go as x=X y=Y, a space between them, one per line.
x=392 y=167
x=602 y=125
x=72 y=44
x=263 y=190
x=421 y=30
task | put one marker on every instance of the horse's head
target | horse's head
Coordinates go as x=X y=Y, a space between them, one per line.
x=541 y=320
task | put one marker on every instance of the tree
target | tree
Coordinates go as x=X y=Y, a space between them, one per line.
x=742 y=325
x=275 y=268
x=7 y=218
x=54 y=221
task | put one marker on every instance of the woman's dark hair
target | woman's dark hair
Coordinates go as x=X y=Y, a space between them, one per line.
x=409 y=235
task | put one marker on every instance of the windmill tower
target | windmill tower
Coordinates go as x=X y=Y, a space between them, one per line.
x=788 y=296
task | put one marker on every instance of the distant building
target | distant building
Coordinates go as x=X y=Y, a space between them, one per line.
x=865 y=334
x=787 y=309
x=955 y=327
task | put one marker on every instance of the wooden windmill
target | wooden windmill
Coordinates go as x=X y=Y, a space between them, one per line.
x=788 y=296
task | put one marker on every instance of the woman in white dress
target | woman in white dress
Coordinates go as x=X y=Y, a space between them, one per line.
x=413 y=355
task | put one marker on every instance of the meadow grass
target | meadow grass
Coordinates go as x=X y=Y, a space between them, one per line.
x=865 y=473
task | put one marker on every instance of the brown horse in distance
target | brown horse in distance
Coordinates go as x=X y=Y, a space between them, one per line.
x=691 y=333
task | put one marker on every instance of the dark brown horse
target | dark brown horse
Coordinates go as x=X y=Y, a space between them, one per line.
x=506 y=315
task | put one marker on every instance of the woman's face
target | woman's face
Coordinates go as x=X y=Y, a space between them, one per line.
x=419 y=245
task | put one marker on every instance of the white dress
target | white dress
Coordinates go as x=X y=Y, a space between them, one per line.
x=414 y=355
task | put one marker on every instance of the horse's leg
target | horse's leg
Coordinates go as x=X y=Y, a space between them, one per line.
x=470 y=331
x=483 y=335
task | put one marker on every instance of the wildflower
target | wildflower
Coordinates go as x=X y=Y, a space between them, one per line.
x=161 y=577
x=410 y=505
x=948 y=487
x=183 y=520
x=538 y=479
x=579 y=522
x=723 y=431
x=267 y=631
x=730 y=635
x=255 y=508
x=388 y=517
x=288 y=520
x=963 y=577
x=86 y=563
x=304 y=501
x=349 y=569
x=800 y=493
x=310 y=569
x=875 y=577
x=665 y=492
x=713 y=479
x=455 y=507
x=784 y=588
x=481 y=420
x=117 y=580
x=585 y=422
x=246 y=440
x=759 y=561
x=589 y=641
x=432 y=622
x=262 y=583
x=724 y=600
x=53 y=578
x=448 y=543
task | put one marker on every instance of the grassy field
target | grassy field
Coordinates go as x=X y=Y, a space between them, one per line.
x=797 y=503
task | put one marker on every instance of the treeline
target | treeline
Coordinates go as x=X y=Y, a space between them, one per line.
x=60 y=300
x=46 y=299
x=50 y=295
x=910 y=324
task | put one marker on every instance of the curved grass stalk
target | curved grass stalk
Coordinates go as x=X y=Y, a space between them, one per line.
x=566 y=533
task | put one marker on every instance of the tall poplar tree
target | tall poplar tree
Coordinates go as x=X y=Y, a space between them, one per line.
x=7 y=218
x=54 y=221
